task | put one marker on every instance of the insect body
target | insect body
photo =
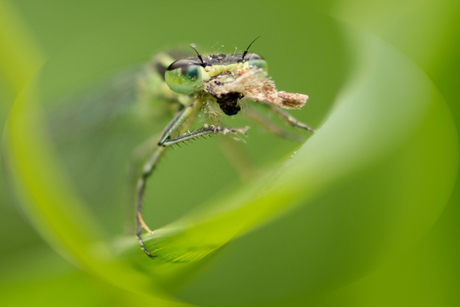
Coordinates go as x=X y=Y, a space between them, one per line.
x=214 y=85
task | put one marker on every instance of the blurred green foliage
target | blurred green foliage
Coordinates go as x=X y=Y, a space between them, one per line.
x=362 y=215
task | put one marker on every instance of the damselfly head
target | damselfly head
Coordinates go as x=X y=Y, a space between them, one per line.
x=228 y=78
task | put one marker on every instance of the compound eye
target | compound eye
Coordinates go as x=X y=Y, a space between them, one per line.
x=255 y=60
x=258 y=63
x=184 y=76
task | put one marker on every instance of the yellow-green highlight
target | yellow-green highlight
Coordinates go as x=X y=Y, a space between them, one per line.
x=20 y=55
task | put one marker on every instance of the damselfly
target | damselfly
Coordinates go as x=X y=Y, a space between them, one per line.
x=214 y=85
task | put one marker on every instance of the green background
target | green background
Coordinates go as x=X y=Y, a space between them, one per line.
x=376 y=225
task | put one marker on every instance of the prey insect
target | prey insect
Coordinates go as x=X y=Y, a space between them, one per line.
x=215 y=86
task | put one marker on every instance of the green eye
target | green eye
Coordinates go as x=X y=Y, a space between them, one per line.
x=184 y=76
x=255 y=60
x=258 y=63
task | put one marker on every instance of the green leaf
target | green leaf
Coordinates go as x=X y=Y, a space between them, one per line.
x=369 y=184
x=383 y=158
x=381 y=141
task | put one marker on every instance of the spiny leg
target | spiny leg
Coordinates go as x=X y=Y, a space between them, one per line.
x=271 y=127
x=235 y=153
x=177 y=124
x=138 y=158
x=164 y=143
x=239 y=158
x=204 y=131
x=289 y=119
x=148 y=169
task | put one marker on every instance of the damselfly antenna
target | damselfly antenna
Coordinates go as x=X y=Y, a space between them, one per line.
x=199 y=55
x=247 y=49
